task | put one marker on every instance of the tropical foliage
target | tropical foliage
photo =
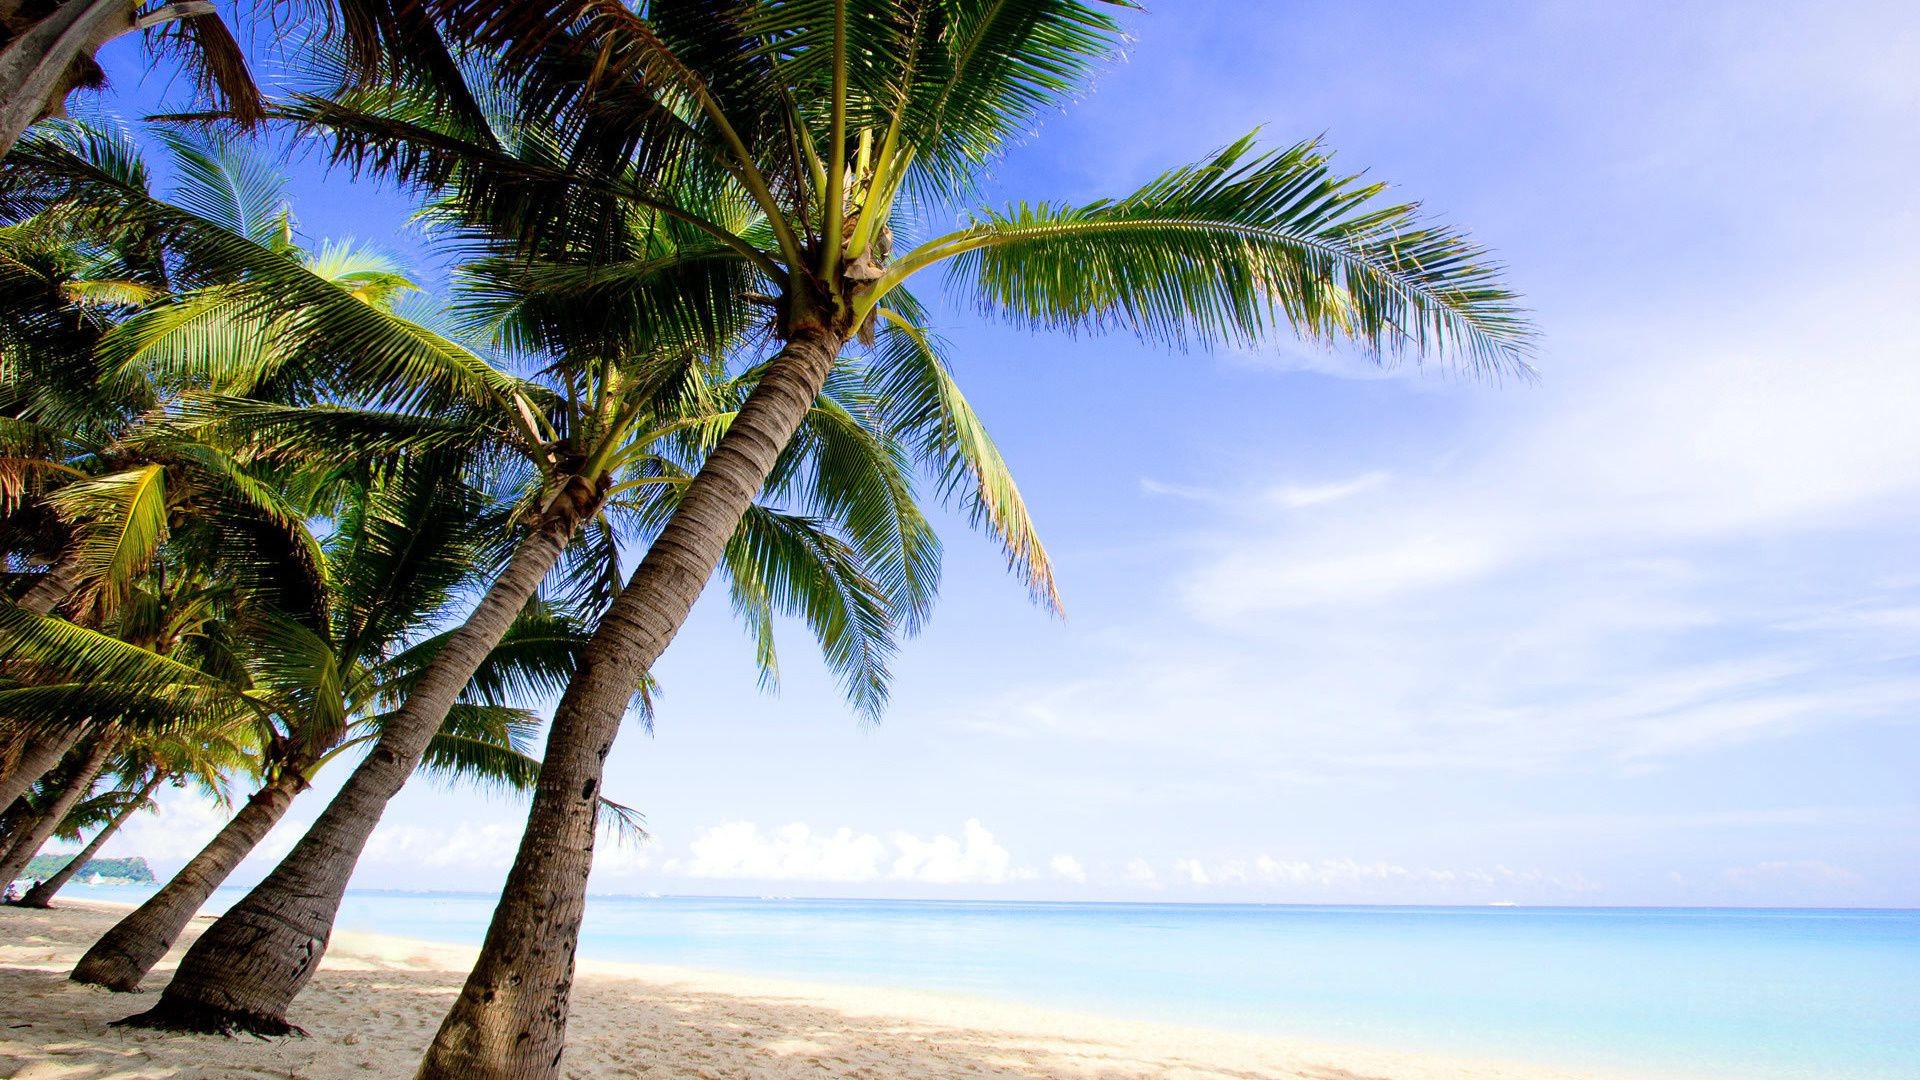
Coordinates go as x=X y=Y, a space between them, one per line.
x=258 y=490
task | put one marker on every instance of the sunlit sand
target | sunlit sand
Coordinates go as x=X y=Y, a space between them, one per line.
x=377 y=1000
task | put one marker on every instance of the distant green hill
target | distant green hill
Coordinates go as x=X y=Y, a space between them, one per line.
x=133 y=871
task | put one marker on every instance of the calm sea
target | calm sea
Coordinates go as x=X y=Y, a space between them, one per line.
x=1747 y=994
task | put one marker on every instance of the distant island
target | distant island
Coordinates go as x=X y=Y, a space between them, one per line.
x=131 y=871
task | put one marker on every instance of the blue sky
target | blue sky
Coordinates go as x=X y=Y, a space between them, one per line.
x=1643 y=632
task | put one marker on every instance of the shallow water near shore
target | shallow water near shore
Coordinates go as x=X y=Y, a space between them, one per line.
x=1761 y=994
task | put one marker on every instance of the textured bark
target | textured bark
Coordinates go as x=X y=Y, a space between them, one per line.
x=75 y=786
x=510 y=1018
x=40 y=754
x=36 y=67
x=40 y=895
x=30 y=758
x=124 y=955
x=253 y=961
x=13 y=740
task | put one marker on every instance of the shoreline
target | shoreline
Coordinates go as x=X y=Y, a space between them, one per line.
x=377 y=1000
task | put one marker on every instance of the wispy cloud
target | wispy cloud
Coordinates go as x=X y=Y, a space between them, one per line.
x=1298 y=496
x=741 y=850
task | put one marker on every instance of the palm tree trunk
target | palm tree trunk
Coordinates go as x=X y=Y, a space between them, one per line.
x=245 y=971
x=41 y=753
x=124 y=954
x=36 y=754
x=76 y=786
x=42 y=893
x=54 y=586
x=510 y=1019
x=36 y=66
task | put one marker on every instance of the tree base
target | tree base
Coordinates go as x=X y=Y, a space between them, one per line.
x=206 y=1020
x=114 y=981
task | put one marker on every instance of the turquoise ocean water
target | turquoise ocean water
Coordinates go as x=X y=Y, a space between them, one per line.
x=1746 y=994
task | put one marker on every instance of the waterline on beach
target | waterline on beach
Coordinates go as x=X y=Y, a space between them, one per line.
x=1768 y=995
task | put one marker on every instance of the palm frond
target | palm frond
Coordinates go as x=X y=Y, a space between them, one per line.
x=1232 y=249
x=921 y=401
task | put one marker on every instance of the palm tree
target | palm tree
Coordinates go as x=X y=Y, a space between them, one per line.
x=93 y=476
x=832 y=120
x=633 y=400
x=65 y=788
x=105 y=813
x=202 y=758
x=313 y=686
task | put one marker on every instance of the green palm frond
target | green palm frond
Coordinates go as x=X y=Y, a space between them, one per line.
x=121 y=520
x=231 y=186
x=414 y=536
x=784 y=564
x=943 y=86
x=259 y=286
x=534 y=659
x=921 y=401
x=1235 y=248
x=859 y=479
x=364 y=274
x=176 y=708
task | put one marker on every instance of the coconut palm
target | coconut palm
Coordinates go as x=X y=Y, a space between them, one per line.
x=203 y=759
x=314 y=686
x=64 y=789
x=835 y=120
x=213 y=273
x=633 y=398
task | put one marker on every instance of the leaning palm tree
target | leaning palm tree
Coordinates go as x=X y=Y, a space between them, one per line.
x=63 y=790
x=201 y=758
x=315 y=686
x=837 y=120
x=631 y=395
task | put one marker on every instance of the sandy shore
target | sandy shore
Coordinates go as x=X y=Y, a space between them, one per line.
x=377 y=1000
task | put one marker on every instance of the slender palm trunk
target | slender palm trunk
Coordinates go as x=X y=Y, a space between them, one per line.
x=35 y=754
x=36 y=66
x=76 y=786
x=41 y=894
x=245 y=971
x=54 y=586
x=124 y=955
x=14 y=737
x=41 y=753
x=510 y=1019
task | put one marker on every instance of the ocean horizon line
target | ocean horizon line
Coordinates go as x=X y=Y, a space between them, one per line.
x=1300 y=905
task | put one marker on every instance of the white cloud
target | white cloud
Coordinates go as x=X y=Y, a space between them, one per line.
x=740 y=850
x=1254 y=581
x=1067 y=868
x=975 y=858
x=1299 y=496
x=1141 y=872
x=1349 y=878
x=466 y=846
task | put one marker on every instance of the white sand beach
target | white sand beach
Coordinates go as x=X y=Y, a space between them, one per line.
x=377 y=1000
